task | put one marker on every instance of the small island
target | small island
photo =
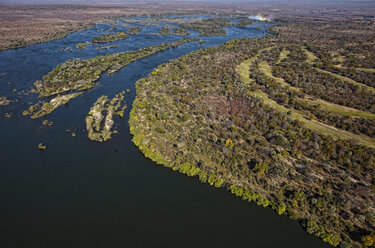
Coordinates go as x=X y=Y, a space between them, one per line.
x=83 y=45
x=165 y=31
x=180 y=31
x=81 y=74
x=244 y=22
x=99 y=122
x=110 y=37
x=134 y=30
x=208 y=27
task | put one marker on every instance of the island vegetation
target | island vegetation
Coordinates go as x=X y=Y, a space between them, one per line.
x=99 y=122
x=110 y=37
x=243 y=22
x=208 y=27
x=134 y=30
x=43 y=108
x=82 y=74
x=106 y=47
x=83 y=45
x=165 y=31
x=180 y=31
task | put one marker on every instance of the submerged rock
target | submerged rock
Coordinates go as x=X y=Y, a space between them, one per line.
x=42 y=146
x=47 y=123
x=4 y=100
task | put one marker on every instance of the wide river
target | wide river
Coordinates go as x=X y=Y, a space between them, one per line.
x=80 y=193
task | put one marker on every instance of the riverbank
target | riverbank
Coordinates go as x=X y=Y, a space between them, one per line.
x=199 y=116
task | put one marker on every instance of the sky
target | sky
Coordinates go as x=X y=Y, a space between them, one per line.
x=172 y=1
x=114 y=2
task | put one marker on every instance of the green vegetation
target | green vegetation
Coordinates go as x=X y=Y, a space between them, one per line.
x=244 y=22
x=110 y=37
x=83 y=45
x=180 y=31
x=106 y=47
x=165 y=31
x=300 y=116
x=220 y=114
x=208 y=27
x=80 y=74
x=302 y=105
x=134 y=30
x=369 y=240
x=44 y=108
x=99 y=122
x=283 y=55
x=110 y=29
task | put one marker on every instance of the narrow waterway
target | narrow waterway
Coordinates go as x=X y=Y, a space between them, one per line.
x=80 y=193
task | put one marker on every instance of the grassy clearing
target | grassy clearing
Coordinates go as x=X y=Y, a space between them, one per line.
x=342 y=110
x=311 y=58
x=267 y=70
x=283 y=55
x=358 y=68
x=337 y=57
x=366 y=69
x=243 y=70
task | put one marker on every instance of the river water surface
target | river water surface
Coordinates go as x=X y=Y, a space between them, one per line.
x=80 y=193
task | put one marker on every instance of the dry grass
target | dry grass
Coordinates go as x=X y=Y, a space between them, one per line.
x=311 y=58
x=366 y=69
x=283 y=55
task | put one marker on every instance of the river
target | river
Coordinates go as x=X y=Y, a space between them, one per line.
x=80 y=193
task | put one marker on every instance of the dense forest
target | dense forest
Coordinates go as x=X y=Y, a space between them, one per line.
x=270 y=120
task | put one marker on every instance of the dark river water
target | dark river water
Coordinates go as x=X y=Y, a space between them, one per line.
x=80 y=193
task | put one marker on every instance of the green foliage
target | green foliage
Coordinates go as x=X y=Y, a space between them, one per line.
x=229 y=143
x=180 y=31
x=280 y=208
x=99 y=121
x=215 y=181
x=331 y=238
x=82 y=45
x=81 y=74
x=189 y=170
x=110 y=37
x=244 y=22
x=165 y=31
x=261 y=168
x=159 y=130
x=276 y=161
x=369 y=240
x=208 y=27
x=134 y=30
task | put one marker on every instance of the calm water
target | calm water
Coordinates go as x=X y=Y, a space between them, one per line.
x=81 y=193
